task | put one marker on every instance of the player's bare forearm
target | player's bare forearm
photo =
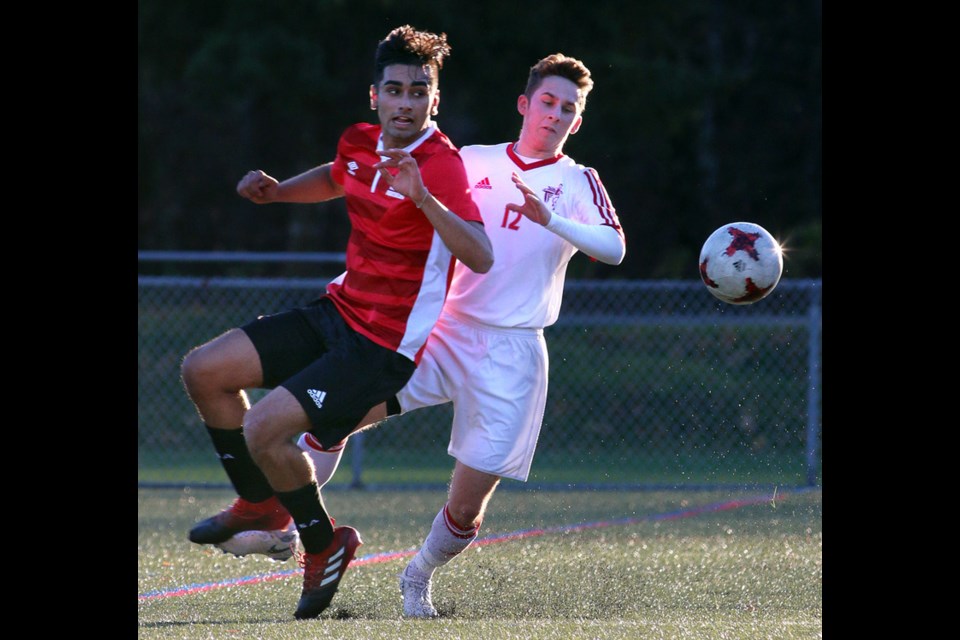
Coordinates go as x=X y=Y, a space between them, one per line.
x=466 y=240
x=478 y=255
x=315 y=185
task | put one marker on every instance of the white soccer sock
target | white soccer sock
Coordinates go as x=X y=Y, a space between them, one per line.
x=325 y=461
x=445 y=542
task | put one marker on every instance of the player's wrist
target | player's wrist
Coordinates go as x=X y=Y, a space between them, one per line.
x=419 y=205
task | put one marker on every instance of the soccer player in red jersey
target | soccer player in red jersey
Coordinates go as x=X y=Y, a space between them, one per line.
x=487 y=353
x=354 y=347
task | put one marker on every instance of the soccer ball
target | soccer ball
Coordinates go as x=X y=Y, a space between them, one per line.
x=741 y=263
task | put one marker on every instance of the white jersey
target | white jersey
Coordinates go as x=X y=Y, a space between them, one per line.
x=487 y=354
x=524 y=288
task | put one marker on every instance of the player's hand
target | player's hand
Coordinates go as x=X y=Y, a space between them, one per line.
x=407 y=179
x=532 y=207
x=258 y=187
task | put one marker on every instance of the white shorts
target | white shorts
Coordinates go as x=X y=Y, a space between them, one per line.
x=497 y=381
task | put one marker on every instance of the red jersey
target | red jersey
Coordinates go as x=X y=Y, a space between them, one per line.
x=398 y=269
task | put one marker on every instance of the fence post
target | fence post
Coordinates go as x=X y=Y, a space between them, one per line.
x=356 y=457
x=813 y=389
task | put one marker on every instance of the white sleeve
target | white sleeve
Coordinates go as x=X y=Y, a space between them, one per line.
x=598 y=241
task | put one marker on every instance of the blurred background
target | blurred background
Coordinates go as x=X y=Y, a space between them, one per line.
x=704 y=112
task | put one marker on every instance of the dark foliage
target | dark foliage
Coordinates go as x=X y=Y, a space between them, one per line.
x=704 y=112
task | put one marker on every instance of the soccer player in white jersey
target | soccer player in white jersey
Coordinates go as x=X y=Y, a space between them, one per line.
x=487 y=354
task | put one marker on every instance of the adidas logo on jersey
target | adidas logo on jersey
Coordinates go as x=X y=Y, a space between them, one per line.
x=483 y=184
x=317 y=397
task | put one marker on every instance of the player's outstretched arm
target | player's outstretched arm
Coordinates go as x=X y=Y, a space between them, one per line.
x=599 y=241
x=315 y=185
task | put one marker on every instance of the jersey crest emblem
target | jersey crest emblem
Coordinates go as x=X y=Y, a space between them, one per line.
x=551 y=195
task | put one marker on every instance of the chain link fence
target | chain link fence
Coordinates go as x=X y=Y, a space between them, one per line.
x=652 y=383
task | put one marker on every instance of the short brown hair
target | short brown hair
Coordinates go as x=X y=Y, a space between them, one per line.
x=558 y=64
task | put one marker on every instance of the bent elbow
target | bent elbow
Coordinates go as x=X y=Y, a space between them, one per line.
x=482 y=265
x=482 y=262
x=615 y=260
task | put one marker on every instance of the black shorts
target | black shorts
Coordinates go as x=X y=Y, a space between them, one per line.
x=335 y=373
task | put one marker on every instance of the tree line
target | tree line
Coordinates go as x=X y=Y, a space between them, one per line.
x=704 y=112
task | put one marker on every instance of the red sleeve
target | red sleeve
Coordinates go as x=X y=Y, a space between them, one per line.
x=338 y=168
x=445 y=177
x=358 y=142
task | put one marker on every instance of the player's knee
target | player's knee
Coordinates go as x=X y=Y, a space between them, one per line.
x=257 y=435
x=208 y=370
x=194 y=371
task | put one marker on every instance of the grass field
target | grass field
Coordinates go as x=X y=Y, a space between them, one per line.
x=611 y=565
x=385 y=467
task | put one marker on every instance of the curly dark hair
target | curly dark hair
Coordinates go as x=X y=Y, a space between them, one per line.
x=564 y=66
x=406 y=45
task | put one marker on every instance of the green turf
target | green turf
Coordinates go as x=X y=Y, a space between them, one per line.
x=384 y=466
x=746 y=572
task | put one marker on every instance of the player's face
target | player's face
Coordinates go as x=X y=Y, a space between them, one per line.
x=405 y=99
x=549 y=117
